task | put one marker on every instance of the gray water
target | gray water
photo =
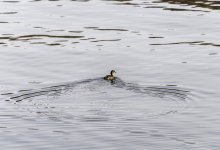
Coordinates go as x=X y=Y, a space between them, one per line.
x=54 y=55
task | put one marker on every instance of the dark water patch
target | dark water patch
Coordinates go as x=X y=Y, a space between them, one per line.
x=177 y=43
x=56 y=30
x=175 y=9
x=91 y=27
x=63 y=132
x=80 y=0
x=189 y=43
x=171 y=85
x=43 y=35
x=210 y=44
x=182 y=3
x=61 y=41
x=11 y=1
x=17 y=22
x=155 y=37
x=25 y=90
x=88 y=39
x=26 y=39
x=75 y=31
x=54 y=44
x=38 y=43
x=102 y=29
x=8 y=13
x=39 y=27
x=151 y=4
x=7 y=34
x=154 y=7
x=181 y=9
x=214 y=4
x=75 y=42
x=136 y=132
x=107 y=40
x=119 y=0
x=31 y=37
x=3 y=22
x=33 y=129
x=7 y=93
x=127 y=3
x=135 y=32
x=213 y=53
x=105 y=29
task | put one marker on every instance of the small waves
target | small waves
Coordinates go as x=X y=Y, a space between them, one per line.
x=157 y=91
x=189 y=43
x=93 y=97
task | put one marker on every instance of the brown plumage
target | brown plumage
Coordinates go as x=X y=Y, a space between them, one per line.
x=111 y=76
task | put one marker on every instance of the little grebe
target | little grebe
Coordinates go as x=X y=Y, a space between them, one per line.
x=111 y=76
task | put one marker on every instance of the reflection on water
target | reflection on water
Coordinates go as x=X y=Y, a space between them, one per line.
x=190 y=43
x=197 y=3
x=97 y=28
x=166 y=95
x=214 y=5
x=9 y=13
x=28 y=37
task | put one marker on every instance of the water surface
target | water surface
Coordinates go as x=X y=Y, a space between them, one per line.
x=54 y=54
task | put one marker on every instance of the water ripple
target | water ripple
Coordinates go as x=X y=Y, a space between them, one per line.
x=189 y=43
x=168 y=96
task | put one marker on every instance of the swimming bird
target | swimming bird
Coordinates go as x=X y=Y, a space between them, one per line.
x=111 y=76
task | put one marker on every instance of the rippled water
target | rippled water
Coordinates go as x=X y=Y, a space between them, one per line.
x=54 y=54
